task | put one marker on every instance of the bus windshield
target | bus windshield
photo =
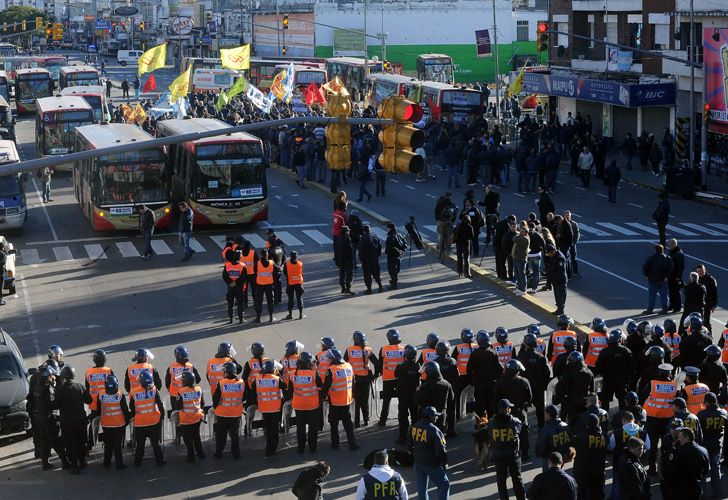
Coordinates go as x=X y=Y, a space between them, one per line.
x=132 y=182
x=10 y=185
x=59 y=134
x=54 y=66
x=438 y=70
x=83 y=78
x=306 y=76
x=33 y=88
x=95 y=102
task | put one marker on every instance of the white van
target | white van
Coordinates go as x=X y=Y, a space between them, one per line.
x=125 y=57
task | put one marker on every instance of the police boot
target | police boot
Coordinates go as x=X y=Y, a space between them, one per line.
x=230 y=320
x=300 y=314
x=381 y=288
x=47 y=465
x=271 y=319
x=241 y=319
x=290 y=314
x=257 y=319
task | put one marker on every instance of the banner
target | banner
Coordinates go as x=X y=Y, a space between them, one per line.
x=150 y=85
x=517 y=85
x=161 y=107
x=222 y=100
x=313 y=95
x=237 y=58
x=139 y=115
x=152 y=59
x=259 y=99
x=288 y=82
x=179 y=87
x=276 y=88
x=482 y=43
x=335 y=87
x=127 y=112
x=240 y=86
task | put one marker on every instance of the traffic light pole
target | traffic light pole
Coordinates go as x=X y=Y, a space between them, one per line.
x=52 y=161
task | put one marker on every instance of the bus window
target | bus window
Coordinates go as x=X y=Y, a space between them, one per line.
x=132 y=182
x=218 y=176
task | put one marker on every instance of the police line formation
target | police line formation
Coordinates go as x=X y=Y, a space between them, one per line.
x=636 y=366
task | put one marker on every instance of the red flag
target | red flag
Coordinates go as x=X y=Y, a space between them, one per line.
x=150 y=85
x=434 y=110
x=313 y=95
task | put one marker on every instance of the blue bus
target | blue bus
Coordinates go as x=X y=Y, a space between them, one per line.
x=13 y=207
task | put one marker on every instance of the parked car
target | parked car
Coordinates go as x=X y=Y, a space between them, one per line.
x=14 y=386
x=9 y=266
x=125 y=57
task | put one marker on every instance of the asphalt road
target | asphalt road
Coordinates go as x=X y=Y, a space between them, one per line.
x=86 y=290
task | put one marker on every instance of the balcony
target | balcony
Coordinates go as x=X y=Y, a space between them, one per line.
x=614 y=6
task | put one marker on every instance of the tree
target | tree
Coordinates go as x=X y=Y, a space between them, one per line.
x=16 y=14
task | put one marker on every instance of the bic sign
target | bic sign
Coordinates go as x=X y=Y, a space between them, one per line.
x=654 y=94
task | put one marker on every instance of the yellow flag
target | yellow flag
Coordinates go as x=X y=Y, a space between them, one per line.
x=127 y=112
x=517 y=84
x=139 y=115
x=277 y=86
x=237 y=58
x=335 y=87
x=179 y=87
x=152 y=59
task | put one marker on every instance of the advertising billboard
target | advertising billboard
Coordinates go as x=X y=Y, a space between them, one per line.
x=715 y=57
x=299 y=37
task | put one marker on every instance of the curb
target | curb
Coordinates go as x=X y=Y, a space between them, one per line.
x=697 y=198
x=483 y=275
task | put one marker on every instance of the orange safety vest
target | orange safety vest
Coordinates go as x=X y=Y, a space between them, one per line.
x=392 y=356
x=504 y=351
x=175 y=374
x=216 y=371
x=96 y=377
x=295 y=272
x=255 y=365
x=342 y=381
x=289 y=364
x=111 y=414
x=146 y=411
x=659 y=402
x=724 y=354
x=305 y=391
x=359 y=359
x=191 y=411
x=249 y=259
x=134 y=370
x=464 y=351
x=427 y=356
x=673 y=342
x=227 y=249
x=695 y=397
x=268 y=389
x=231 y=398
x=557 y=340
x=323 y=360
x=235 y=271
x=597 y=342
x=265 y=273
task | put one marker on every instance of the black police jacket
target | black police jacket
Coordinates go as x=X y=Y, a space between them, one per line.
x=408 y=378
x=515 y=389
x=692 y=349
x=614 y=364
x=537 y=371
x=554 y=484
x=554 y=436
x=591 y=452
x=713 y=421
x=602 y=415
x=427 y=443
x=560 y=364
x=691 y=421
x=448 y=368
x=640 y=416
x=637 y=347
x=714 y=375
x=690 y=463
x=483 y=368
x=70 y=398
x=574 y=387
x=633 y=482
x=44 y=396
x=503 y=431
x=434 y=393
x=668 y=447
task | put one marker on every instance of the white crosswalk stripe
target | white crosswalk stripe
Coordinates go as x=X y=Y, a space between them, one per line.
x=431 y=228
x=161 y=248
x=95 y=252
x=722 y=227
x=680 y=231
x=381 y=233
x=618 y=229
x=586 y=228
x=702 y=229
x=219 y=240
x=127 y=249
x=318 y=236
x=29 y=256
x=62 y=253
x=197 y=246
x=289 y=239
x=642 y=227
x=255 y=240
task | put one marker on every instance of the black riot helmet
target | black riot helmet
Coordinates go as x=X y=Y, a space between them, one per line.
x=432 y=340
x=99 y=357
x=304 y=361
x=442 y=348
x=410 y=352
x=393 y=337
x=188 y=380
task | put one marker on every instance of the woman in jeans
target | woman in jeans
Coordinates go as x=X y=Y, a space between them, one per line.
x=462 y=237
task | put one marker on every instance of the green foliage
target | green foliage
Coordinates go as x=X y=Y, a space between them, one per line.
x=16 y=14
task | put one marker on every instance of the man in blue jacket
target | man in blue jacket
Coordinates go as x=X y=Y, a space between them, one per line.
x=428 y=446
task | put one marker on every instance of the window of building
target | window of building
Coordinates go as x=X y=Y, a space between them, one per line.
x=590 y=22
x=686 y=39
x=661 y=36
x=522 y=31
x=563 y=39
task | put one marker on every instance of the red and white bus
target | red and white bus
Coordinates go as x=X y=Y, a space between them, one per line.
x=53 y=64
x=31 y=84
x=110 y=187
x=305 y=74
x=73 y=76
x=55 y=120
x=223 y=178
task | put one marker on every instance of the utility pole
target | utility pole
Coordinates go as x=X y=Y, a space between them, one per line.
x=384 y=37
x=497 y=69
x=704 y=136
x=691 y=56
x=366 y=47
x=278 y=25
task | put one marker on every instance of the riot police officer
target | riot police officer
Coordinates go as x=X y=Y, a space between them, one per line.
x=595 y=342
x=504 y=431
x=112 y=407
x=338 y=387
x=227 y=400
x=70 y=398
x=484 y=370
x=537 y=372
x=713 y=373
x=636 y=344
x=574 y=386
x=359 y=356
x=277 y=253
x=265 y=272
x=657 y=339
x=516 y=389
x=147 y=410
x=252 y=368
x=555 y=436
x=305 y=384
x=141 y=362
x=672 y=338
x=655 y=394
x=503 y=347
x=692 y=347
x=234 y=274
x=293 y=270
x=407 y=377
x=461 y=353
x=654 y=356
x=266 y=388
x=435 y=392
x=631 y=405
x=45 y=422
x=390 y=356
x=449 y=371
x=191 y=402
x=558 y=337
x=173 y=377
x=614 y=364
x=428 y=353
x=289 y=362
x=560 y=363
x=94 y=380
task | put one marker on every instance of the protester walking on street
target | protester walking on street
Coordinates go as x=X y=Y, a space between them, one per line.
x=557 y=274
x=462 y=237
x=661 y=216
x=45 y=178
x=519 y=254
x=586 y=163
x=629 y=148
x=612 y=176
x=146 y=226
x=185 y=229
x=711 y=294
x=675 y=282
x=657 y=269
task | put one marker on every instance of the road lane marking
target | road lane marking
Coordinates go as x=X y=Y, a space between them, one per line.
x=635 y=205
x=295 y=226
x=703 y=261
x=701 y=228
x=602 y=195
x=318 y=236
x=614 y=275
x=95 y=252
x=682 y=232
x=62 y=254
x=219 y=240
x=196 y=246
x=127 y=249
x=593 y=230
x=394 y=180
x=409 y=187
x=618 y=229
x=289 y=239
x=31 y=319
x=161 y=248
x=29 y=256
x=255 y=240
x=579 y=188
x=519 y=195
x=722 y=227
x=45 y=211
x=381 y=233
x=642 y=227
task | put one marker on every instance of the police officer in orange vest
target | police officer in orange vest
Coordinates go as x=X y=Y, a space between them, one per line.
x=461 y=354
x=693 y=392
x=147 y=410
x=228 y=403
x=672 y=338
x=556 y=341
x=293 y=271
x=250 y=259
x=277 y=253
x=289 y=362
x=323 y=357
x=305 y=383
x=234 y=276
x=251 y=369
x=216 y=365
x=266 y=388
x=140 y=363
x=229 y=247
x=111 y=406
x=338 y=388
x=173 y=377
x=191 y=402
x=390 y=356
x=595 y=343
x=264 y=279
x=428 y=353
x=560 y=364
x=503 y=347
x=359 y=356
x=95 y=379
x=657 y=397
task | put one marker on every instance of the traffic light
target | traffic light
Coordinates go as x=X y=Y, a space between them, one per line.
x=141 y=25
x=22 y=25
x=208 y=17
x=386 y=66
x=39 y=23
x=284 y=50
x=285 y=21
x=706 y=112
x=400 y=138
x=113 y=24
x=542 y=38
x=338 y=135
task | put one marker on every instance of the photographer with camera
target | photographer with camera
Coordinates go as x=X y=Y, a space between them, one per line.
x=394 y=247
x=445 y=212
